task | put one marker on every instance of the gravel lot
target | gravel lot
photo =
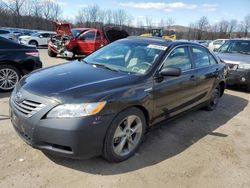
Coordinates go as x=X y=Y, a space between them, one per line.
x=200 y=149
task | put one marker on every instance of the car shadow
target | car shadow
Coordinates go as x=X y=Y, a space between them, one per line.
x=164 y=142
x=4 y=94
x=238 y=88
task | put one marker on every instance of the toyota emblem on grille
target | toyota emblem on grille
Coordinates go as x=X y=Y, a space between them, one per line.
x=19 y=97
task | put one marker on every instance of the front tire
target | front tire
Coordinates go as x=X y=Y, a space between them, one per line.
x=51 y=53
x=9 y=77
x=124 y=135
x=214 y=100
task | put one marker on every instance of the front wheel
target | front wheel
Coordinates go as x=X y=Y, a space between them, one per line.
x=9 y=76
x=124 y=135
x=214 y=100
x=51 y=53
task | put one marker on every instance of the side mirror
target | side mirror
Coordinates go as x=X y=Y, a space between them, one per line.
x=215 y=49
x=170 y=71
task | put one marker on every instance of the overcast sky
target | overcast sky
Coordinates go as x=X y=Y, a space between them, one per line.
x=183 y=11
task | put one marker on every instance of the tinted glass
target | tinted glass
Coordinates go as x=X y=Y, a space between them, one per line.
x=4 y=32
x=218 y=42
x=242 y=47
x=200 y=57
x=88 y=36
x=212 y=59
x=127 y=56
x=179 y=58
x=75 y=32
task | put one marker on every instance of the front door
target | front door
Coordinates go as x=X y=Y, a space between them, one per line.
x=86 y=42
x=173 y=95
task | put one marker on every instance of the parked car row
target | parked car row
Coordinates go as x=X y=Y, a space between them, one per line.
x=104 y=103
x=27 y=37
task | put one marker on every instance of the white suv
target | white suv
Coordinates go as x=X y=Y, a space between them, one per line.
x=36 y=39
x=8 y=34
x=216 y=44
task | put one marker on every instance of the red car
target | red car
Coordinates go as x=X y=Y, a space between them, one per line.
x=81 y=41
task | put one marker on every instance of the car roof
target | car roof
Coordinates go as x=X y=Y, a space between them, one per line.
x=240 y=39
x=46 y=32
x=160 y=41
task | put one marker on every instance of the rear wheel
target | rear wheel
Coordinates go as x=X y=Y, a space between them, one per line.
x=9 y=76
x=124 y=135
x=33 y=43
x=51 y=53
x=214 y=100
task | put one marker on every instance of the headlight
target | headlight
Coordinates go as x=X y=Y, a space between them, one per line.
x=244 y=66
x=76 y=110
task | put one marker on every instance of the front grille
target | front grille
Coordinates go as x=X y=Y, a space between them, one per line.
x=28 y=107
x=232 y=66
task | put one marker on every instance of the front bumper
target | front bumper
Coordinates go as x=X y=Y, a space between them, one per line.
x=68 y=137
x=238 y=77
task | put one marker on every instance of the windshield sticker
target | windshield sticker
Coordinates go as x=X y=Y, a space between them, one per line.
x=158 y=47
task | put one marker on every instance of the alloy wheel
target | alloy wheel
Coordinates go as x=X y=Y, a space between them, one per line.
x=8 y=78
x=127 y=135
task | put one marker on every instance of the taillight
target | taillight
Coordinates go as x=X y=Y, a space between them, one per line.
x=35 y=54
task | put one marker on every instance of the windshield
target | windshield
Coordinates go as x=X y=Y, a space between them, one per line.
x=242 y=47
x=75 y=32
x=127 y=56
x=36 y=34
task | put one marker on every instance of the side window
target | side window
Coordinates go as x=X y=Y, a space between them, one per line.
x=218 y=42
x=200 y=57
x=179 y=58
x=43 y=35
x=4 y=32
x=88 y=36
x=211 y=59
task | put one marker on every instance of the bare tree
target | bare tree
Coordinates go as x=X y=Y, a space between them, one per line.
x=232 y=27
x=80 y=17
x=149 y=23
x=202 y=26
x=246 y=24
x=108 y=17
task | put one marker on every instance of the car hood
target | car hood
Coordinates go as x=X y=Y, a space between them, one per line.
x=62 y=28
x=73 y=80
x=233 y=58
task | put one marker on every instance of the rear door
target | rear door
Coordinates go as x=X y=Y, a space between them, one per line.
x=172 y=94
x=207 y=70
x=86 y=42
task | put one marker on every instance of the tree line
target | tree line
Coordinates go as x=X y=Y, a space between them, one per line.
x=39 y=14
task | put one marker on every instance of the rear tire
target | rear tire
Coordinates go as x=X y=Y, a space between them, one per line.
x=51 y=53
x=214 y=100
x=9 y=77
x=124 y=135
x=33 y=43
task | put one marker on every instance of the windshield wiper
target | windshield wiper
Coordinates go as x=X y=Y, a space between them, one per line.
x=104 y=66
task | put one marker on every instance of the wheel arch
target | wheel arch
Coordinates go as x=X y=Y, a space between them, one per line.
x=222 y=85
x=14 y=64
